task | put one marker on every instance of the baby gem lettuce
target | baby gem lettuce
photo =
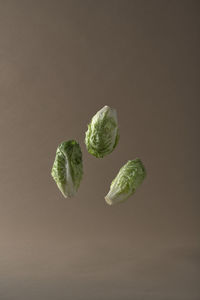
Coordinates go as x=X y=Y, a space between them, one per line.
x=102 y=135
x=67 y=169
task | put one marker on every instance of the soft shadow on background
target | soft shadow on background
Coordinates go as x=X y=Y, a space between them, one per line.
x=60 y=62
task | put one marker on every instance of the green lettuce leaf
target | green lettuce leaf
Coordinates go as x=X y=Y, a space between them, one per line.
x=130 y=176
x=67 y=170
x=102 y=135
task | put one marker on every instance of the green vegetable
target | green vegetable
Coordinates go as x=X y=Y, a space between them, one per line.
x=67 y=169
x=130 y=176
x=102 y=135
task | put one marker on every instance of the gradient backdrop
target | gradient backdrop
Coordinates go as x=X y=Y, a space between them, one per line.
x=60 y=62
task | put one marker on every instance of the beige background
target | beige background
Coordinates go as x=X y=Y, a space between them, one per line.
x=60 y=62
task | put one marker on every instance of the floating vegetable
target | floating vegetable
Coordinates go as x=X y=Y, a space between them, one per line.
x=67 y=169
x=102 y=135
x=130 y=176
